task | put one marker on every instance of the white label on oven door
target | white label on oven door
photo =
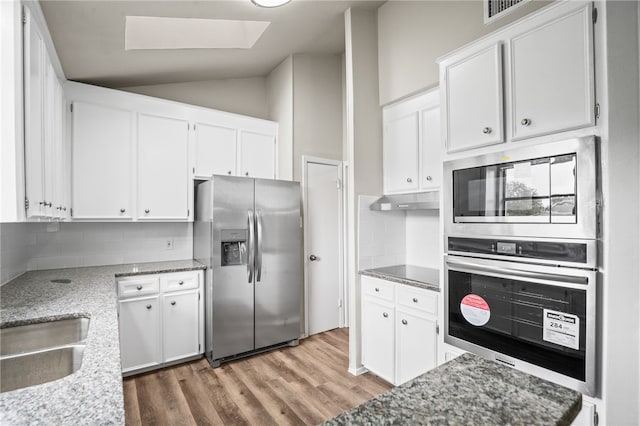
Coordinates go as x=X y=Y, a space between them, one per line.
x=561 y=328
x=475 y=309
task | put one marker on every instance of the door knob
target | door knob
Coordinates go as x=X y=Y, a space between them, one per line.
x=313 y=257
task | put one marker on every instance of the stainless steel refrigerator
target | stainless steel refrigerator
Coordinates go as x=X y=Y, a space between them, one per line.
x=249 y=234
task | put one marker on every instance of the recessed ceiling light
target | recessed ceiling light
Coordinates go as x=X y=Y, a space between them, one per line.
x=150 y=32
x=270 y=3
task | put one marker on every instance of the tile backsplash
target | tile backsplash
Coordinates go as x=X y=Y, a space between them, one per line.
x=381 y=236
x=63 y=245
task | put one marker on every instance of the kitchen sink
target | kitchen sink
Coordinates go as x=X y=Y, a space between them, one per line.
x=34 y=368
x=32 y=337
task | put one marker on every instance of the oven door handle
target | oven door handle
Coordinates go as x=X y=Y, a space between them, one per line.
x=514 y=271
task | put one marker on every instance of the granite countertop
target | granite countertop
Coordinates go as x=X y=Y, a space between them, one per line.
x=416 y=276
x=93 y=394
x=469 y=390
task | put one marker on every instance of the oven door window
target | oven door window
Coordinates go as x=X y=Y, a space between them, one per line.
x=541 y=324
x=541 y=190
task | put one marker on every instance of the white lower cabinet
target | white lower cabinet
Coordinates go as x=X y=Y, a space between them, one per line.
x=399 y=329
x=161 y=319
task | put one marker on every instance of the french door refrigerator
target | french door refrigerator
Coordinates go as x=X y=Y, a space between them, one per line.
x=248 y=232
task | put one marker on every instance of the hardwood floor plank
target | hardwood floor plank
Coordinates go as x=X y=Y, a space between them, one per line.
x=291 y=386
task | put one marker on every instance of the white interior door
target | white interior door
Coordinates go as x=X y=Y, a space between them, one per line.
x=323 y=246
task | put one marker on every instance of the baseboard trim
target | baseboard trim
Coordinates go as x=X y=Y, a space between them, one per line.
x=358 y=371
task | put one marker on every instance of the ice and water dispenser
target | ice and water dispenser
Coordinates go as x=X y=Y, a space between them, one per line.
x=234 y=247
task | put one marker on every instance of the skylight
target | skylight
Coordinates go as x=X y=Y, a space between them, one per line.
x=149 y=32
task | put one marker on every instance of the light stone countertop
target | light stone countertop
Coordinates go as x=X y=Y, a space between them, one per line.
x=469 y=390
x=415 y=276
x=93 y=394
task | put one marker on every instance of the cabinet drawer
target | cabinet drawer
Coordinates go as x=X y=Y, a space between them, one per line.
x=377 y=288
x=423 y=300
x=138 y=286
x=181 y=281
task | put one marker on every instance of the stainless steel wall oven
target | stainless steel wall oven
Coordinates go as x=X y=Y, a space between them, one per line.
x=521 y=259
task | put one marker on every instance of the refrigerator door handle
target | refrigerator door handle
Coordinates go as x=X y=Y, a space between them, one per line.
x=250 y=222
x=259 y=246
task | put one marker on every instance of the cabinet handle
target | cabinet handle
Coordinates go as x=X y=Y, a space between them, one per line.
x=180 y=282
x=229 y=172
x=409 y=180
x=146 y=210
x=486 y=130
x=148 y=306
x=44 y=203
x=173 y=302
x=384 y=314
x=377 y=289
x=59 y=208
x=122 y=210
x=415 y=300
x=525 y=122
x=139 y=287
x=404 y=322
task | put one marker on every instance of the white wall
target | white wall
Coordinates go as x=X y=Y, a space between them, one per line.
x=280 y=98
x=317 y=108
x=413 y=34
x=246 y=96
x=36 y=246
x=423 y=241
x=382 y=237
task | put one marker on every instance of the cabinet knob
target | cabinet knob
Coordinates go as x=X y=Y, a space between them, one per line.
x=486 y=130
x=229 y=172
x=59 y=208
x=384 y=314
x=64 y=209
x=146 y=211
x=173 y=302
x=377 y=289
x=46 y=204
x=404 y=322
x=525 y=122
x=415 y=300
x=122 y=210
x=246 y=173
x=180 y=282
x=409 y=180
x=429 y=178
x=148 y=306
x=139 y=287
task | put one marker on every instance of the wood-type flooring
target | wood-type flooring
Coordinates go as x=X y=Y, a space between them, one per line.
x=302 y=385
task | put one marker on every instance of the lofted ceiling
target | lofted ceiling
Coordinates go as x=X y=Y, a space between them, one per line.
x=89 y=37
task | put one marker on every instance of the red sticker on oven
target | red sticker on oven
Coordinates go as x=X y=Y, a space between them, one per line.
x=475 y=309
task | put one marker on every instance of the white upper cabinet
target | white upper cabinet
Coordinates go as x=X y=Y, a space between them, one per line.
x=548 y=83
x=430 y=145
x=400 y=153
x=102 y=155
x=552 y=77
x=412 y=144
x=473 y=100
x=215 y=150
x=162 y=169
x=257 y=155
x=34 y=81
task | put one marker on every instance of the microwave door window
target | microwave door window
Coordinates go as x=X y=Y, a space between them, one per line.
x=527 y=188
x=563 y=189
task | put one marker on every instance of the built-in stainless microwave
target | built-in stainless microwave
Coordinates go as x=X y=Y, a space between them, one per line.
x=546 y=190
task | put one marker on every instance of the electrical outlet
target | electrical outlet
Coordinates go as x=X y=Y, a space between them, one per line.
x=168 y=245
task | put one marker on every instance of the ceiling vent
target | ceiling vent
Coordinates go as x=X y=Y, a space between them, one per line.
x=494 y=9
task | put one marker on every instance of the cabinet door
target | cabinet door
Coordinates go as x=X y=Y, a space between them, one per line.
x=181 y=322
x=378 y=338
x=473 y=99
x=416 y=341
x=140 y=333
x=34 y=82
x=400 y=153
x=552 y=76
x=215 y=150
x=162 y=168
x=257 y=155
x=101 y=162
x=431 y=148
